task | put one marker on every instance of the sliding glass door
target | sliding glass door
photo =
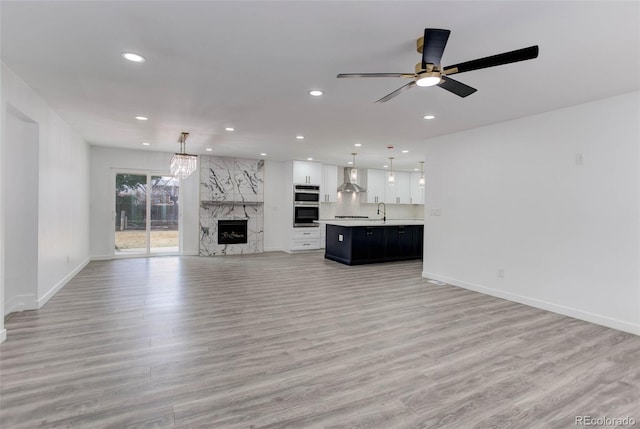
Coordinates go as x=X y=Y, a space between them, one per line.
x=146 y=214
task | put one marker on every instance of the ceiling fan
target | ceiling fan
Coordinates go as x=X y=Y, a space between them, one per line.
x=429 y=72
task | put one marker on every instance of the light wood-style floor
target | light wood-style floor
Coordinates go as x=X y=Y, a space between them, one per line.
x=296 y=341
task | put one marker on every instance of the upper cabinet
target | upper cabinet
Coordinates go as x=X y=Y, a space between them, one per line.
x=417 y=190
x=405 y=190
x=376 y=183
x=307 y=172
x=329 y=184
x=400 y=191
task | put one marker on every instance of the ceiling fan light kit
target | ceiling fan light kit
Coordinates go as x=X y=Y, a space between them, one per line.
x=429 y=72
x=428 y=79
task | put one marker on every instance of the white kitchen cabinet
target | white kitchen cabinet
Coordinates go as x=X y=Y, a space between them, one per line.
x=376 y=184
x=329 y=184
x=305 y=239
x=400 y=191
x=417 y=190
x=307 y=172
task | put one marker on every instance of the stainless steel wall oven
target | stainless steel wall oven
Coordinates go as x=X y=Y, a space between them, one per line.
x=306 y=205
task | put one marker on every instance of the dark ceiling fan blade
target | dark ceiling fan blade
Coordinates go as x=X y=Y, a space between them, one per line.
x=495 y=60
x=397 y=92
x=458 y=88
x=341 y=75
x=435 y=41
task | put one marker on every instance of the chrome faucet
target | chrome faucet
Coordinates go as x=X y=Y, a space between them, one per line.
x=384 y=211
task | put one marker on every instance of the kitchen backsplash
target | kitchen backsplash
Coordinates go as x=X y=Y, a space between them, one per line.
x=350 y=205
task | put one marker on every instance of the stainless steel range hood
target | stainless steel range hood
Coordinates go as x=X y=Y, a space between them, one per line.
x=347 y=186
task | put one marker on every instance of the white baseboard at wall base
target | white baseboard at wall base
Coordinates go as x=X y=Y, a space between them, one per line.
x=47 y=296
x=21 y=303
x=101 y=257
x=3 y=335
x=598 y=319
x=192 y=253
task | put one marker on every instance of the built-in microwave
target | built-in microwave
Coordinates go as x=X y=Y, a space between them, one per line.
x=306 y=194
x=304 y=215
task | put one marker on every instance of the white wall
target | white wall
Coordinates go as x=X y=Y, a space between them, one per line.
x=3 y=331
x=63 y=188
x=274 y=205
x=105 y=162
x=20 y=195
x=513 y=198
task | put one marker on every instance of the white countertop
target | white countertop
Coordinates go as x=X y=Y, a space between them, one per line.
x=370 y=222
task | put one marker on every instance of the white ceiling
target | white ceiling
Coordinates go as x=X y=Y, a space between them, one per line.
x=250 y=65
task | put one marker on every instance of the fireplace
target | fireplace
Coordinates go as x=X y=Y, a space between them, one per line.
x=232 y=231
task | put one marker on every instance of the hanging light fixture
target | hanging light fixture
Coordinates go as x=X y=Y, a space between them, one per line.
x=391 y=178
x=183 y=164
x=421 y=179
x=354 y=170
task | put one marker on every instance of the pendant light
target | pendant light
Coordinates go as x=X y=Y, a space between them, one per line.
x=354 y=170
x=391 y=178
x=183 y=164
x=421 y=180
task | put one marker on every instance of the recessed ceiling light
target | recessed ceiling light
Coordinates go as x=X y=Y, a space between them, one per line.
x=208 y=149
x=263 y=154
x=350 y=162
x=146 y=144
x=309 y=159
x=142 y=118
x=428 y=116
x=300 y=137
x=385 y=166
x=416 y=169
x=136 y=58
x=316 y=92
x=405 y=151
x=358 y=144
x=229 y=129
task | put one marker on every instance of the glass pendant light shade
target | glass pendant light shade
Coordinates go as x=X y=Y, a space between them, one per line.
x=391 y=179
x=421 y=179
x=183 y=164
x=354 y=170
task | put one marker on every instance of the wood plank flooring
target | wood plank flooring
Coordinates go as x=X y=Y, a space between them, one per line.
x=296 y=341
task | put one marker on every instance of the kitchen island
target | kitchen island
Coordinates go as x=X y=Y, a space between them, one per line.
x=370 y=241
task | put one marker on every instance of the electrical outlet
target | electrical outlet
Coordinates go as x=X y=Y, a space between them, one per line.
x=579 y=158
x=435 y=212
x=500 y=273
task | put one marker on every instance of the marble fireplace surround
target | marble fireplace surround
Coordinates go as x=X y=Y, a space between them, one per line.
x=231 y=189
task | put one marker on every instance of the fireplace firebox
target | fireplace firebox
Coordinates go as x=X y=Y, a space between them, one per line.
x=232 y=231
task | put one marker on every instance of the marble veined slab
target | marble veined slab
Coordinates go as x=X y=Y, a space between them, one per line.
x=231 y=179
x=231 y=189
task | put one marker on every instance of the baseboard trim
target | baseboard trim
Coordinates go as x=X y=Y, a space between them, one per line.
x=101 y=257
x=3 y=335
x=21 y=303
x=47 y=296
x=598 y=319
x=191 y=253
